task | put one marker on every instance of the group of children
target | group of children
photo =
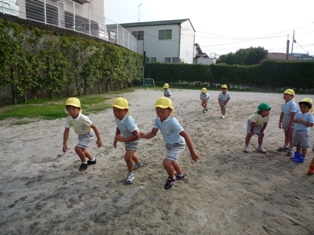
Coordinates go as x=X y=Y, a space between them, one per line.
x=128 y=132
x=293 y=120
x=223 y=99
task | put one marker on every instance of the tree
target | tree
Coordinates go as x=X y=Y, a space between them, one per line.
x=249 y=56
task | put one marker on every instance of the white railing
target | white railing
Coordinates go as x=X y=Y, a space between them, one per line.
x=72 y=16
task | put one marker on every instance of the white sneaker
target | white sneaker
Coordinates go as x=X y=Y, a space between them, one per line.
x=261 y=149
x=137 y=165
x=222 y=116
x=246 y=149
x=130 y=178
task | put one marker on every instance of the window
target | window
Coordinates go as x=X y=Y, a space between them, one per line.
x=165 y=34
x=139 y=35
x=175 y=60
x=153 y=59
x=168 y=59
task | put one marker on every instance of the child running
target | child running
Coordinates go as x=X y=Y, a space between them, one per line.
x=204 y=97
x=174 y=136
x=82 y=126
x=288 y=110
x=256 y=124
x=167 y=92
x=303 y=121
x=127 y=132
x=223 y=99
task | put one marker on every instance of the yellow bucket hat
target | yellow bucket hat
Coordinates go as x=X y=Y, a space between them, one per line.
x=308 y=100
x=289 y=91
x=166 y=85
x=120 y=103
x=75 y=102
x=164 y=103
x=204 y=89
x=224 y=86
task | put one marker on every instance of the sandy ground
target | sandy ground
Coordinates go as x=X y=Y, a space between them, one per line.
x=226 y=192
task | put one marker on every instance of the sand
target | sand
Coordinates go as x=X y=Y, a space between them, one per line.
x=226 y=192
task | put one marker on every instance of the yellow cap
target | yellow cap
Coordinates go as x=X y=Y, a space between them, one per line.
x=290 y=92
x=120 y=103
x=224 y=86
x=75 y=102
x=204 y=89
x=166 y=85
x=164 y=103
x=307 y=100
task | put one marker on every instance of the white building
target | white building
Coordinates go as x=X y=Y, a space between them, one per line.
x=170 y=41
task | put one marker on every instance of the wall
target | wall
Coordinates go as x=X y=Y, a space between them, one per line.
x=187 y=42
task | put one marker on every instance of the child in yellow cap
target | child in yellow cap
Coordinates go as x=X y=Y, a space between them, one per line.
x=167 y=92
x=256 y=124
x=174 y=136
x=223 y=99
x=204 y=97
x=82 y=126
x=288 y=110
x=127 y=132
x=303 y=121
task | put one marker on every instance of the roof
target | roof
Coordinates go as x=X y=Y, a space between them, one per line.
x=154 y=23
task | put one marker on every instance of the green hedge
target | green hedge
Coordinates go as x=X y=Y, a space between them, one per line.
x=34 y=61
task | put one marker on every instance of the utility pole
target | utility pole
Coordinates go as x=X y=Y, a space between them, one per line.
x=287 y=48
x=293 y=41
x=139 y=11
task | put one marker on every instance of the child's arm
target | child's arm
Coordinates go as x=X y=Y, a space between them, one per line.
x=65 y=139
x=263 y=128
x=280 y=119
x=299 y=120
x=135 y=136
x=195 y=157
x=150 y=134
x=99 y=142
x=292 y=115
x=115 y=141
x=227 y=101
x=219 y=101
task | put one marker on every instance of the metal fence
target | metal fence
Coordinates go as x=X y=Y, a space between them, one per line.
x=72 y=16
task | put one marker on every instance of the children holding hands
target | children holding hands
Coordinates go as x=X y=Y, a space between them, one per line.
x=127 y=132
x=175 y=137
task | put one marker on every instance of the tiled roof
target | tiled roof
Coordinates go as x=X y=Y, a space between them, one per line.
x=153 y=23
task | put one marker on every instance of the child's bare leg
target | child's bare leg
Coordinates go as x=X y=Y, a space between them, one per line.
x=286 y=138
x=177 y=168
x=87 y=154
x=303 y=152
x=128 y=157
x=80 y=152
x=135 y=158
x=223 y=111
x=247 y=139
x=299 y=149
x=260 y=139
x=168 y=165
x=290 y=132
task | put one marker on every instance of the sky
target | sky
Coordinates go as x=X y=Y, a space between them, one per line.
x=225 y=26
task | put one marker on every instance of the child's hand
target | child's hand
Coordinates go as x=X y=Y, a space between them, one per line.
x=142 y=135
x=118 y=138
x=195 y=157
x=99 y=143
x=65 y=147
x=280 y=125
x=115 y=144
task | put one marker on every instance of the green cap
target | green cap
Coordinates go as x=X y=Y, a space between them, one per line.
x=263 y=106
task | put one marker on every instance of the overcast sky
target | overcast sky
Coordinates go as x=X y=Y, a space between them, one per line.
x=224 y=26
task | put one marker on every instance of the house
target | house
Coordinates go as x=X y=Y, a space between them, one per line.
x=170 y=41
x=201 y=57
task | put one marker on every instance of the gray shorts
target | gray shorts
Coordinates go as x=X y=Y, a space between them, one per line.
x=257 y=129
x=301 y=139
x=204 y=101
x=134 y=145
x=175 y=150
x=285 y=122
x=84 y=140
